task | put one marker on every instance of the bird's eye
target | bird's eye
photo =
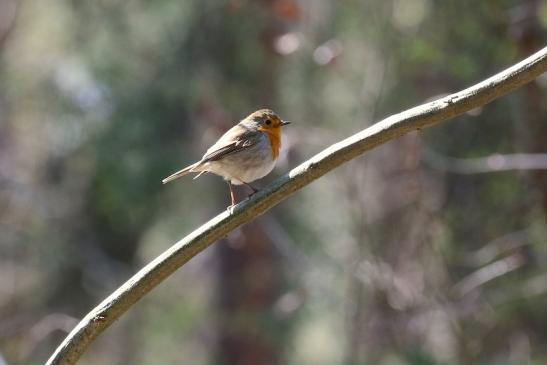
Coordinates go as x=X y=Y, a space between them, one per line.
x=268 y=122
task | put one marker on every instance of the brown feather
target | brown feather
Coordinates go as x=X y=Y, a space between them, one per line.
x=180 y=173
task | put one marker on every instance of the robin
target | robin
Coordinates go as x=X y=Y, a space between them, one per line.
x=246 y=152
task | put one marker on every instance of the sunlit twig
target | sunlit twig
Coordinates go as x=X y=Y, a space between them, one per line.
x=488 y=273
x=493 y=163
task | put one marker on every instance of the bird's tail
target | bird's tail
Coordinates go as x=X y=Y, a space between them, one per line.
x=184 y=171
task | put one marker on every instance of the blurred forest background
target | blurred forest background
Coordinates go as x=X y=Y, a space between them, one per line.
x=428 y=250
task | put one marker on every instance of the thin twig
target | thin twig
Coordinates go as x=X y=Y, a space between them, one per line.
x=163 y=266
x=493 y=163
x=488 y=273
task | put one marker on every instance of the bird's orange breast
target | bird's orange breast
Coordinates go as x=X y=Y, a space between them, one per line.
x=274 y=135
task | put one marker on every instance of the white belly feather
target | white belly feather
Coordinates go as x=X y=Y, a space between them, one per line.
x=245 y=166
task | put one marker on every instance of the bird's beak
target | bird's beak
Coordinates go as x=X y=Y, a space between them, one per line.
x=285 y=122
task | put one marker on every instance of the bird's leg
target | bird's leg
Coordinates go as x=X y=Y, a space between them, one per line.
x=232 y=196
x=255 y=190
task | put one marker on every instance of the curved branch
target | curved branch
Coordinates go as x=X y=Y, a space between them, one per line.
x=396 y=125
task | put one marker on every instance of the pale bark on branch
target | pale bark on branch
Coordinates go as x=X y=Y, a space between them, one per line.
x=396 y=125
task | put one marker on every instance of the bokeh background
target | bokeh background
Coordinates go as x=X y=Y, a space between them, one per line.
x=428 y=250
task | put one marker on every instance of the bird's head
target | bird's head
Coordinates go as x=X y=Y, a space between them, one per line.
x=267 y=121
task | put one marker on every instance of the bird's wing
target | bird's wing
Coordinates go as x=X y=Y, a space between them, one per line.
x=235 y=139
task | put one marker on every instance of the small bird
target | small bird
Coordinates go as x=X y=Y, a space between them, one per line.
x=246 y=152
